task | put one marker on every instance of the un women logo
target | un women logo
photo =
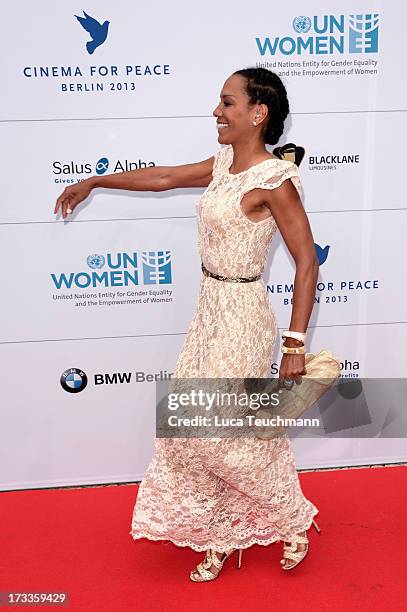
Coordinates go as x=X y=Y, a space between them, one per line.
x=301 y=24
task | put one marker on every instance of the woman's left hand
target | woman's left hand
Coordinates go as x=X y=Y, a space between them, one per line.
x=291 y=368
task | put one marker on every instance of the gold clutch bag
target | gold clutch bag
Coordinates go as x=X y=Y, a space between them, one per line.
x=322 y=369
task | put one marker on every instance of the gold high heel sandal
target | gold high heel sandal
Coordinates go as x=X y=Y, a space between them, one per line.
x=292 y=554
x=212 y=559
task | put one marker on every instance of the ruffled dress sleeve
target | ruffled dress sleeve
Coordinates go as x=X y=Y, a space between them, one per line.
x=274 y=174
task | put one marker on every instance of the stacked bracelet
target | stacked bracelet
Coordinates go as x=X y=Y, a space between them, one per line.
x=296 y=350
x=293 y=334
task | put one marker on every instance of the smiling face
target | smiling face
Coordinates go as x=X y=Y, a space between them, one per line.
x=235 y=113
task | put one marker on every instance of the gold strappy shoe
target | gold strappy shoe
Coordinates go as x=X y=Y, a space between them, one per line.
x=212 y=559
x=291 y=553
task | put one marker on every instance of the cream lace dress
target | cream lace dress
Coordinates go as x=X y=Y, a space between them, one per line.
x=228 y=492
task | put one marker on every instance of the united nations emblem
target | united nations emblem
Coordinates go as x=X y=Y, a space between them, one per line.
x=95 y=261
x=302 y=24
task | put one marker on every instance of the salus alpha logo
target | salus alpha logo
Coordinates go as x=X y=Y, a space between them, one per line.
x=119 y=270
x=73 y=380
x=325 y=34
x=102 y=165
x=349 y=369
x=97 y=31
x=73 y=171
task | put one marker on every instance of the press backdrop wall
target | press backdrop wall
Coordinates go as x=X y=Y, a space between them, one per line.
x=144 y=96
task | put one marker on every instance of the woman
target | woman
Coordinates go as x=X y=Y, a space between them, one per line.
x=223 y=495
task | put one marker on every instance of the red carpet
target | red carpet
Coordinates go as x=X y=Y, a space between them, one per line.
x=77 y=540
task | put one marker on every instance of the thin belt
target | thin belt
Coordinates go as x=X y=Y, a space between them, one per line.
x=229 y=280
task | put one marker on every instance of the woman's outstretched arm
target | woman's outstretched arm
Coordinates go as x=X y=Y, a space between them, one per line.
x=159 y=178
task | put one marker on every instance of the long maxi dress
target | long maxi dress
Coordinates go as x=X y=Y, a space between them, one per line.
x=229 y=492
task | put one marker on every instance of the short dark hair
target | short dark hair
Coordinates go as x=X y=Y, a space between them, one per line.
x=265 y=87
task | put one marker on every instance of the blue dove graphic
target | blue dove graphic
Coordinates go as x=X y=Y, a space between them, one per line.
x=97 y=31
x=322 y=253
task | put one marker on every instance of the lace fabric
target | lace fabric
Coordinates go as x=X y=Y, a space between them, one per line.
x=227 y=493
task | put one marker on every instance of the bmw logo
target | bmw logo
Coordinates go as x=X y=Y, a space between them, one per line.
x=301 y=24
x=95 y=261
x=73 y=380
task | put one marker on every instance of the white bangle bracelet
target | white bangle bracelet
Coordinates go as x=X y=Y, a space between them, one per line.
x=293 y=334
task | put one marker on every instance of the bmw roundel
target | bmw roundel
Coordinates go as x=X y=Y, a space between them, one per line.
x=73 y=380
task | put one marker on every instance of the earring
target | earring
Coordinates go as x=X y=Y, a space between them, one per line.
x=254 y=122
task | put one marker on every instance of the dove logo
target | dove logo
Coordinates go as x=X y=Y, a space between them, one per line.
x=98 y=31
x=322 y=253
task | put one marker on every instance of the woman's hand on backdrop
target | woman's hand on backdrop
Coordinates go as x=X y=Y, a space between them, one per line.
x=72 y=196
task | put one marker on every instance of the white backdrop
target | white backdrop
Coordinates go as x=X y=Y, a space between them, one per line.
x=144 y=96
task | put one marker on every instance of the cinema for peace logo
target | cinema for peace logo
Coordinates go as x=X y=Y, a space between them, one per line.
x=89 y=76
x=333 y=288
x=325 y=35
